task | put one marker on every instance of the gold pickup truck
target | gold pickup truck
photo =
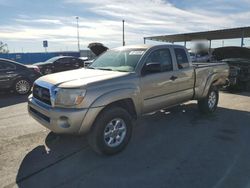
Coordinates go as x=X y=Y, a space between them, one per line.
x=103 y=100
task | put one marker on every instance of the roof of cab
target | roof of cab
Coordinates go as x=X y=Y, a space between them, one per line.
x=144 y=46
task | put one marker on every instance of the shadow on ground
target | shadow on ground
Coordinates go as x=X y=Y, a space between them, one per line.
x=9 y=98
x=171 y=148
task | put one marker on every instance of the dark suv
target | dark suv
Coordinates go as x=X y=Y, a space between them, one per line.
x=17 y=77
x=59 y=64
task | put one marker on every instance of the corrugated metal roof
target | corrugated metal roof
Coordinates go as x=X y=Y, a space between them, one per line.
x=231 y=33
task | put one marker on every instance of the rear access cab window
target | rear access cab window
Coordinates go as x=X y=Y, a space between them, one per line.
x=181 y=58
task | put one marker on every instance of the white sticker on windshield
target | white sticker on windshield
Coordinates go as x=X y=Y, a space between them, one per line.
x=136 y=52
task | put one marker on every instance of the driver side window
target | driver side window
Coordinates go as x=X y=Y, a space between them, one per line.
x=163 y=57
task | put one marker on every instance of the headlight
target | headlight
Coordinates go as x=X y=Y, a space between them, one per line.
x=69 y=97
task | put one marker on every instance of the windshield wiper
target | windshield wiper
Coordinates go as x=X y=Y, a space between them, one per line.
x=104 y=69
x=122 y=70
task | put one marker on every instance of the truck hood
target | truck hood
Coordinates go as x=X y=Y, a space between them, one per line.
x=80 y=77
x=237 y=61
x=230 y=52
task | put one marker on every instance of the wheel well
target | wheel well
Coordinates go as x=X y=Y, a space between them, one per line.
x=127 y=104
x=214 y=84
x=208 y=87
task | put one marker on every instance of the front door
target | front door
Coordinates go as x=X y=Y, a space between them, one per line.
x=158 y=88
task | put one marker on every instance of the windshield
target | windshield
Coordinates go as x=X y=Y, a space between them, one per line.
x=51 y=60
x=119 y=60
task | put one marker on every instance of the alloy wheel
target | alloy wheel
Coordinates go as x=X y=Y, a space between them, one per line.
x=115 y=132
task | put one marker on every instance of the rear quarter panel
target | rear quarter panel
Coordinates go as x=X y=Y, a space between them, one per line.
x=208 y=74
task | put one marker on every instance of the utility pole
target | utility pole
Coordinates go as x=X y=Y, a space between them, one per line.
x=123 y=37
x=78 y=37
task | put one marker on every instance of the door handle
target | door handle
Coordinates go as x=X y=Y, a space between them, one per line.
x=173 y=78
x=10 y=72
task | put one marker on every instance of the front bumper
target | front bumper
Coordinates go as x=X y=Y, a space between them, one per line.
x=58 y=120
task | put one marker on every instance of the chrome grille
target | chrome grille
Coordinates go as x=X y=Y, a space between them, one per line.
x=41 y=94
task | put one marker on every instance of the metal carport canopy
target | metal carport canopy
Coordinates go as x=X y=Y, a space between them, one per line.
x=242 y=32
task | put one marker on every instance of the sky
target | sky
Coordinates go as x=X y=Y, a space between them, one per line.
x=25 y=24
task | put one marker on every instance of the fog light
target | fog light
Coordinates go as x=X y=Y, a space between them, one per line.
x=64 y=122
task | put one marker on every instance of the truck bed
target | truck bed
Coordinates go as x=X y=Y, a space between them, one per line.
x=208 y=64
x=204 y=71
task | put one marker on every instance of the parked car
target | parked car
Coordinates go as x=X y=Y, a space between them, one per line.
x=59 y=64
x=238 y=59
x=239 y=73
x=205 y=57
x=17 y=77
x=86 y=60
x=97 y=49
x=121 y=85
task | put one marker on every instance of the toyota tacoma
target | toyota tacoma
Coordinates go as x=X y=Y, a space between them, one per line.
x=103 y=100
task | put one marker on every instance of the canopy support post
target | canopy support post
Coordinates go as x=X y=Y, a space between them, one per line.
x=242 y=39
x=210 y=46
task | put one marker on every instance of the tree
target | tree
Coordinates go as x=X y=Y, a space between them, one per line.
x=3 y=48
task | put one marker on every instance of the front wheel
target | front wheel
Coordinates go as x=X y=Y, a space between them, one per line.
x=111 y=131
x=209 y=104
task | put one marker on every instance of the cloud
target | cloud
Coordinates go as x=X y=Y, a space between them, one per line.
x=40 y=21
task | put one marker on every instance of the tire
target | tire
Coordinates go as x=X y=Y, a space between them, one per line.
x=115 y=118
x=22 y=86
x=209 y=104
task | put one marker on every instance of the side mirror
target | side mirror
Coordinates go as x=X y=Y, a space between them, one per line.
x=153 y=67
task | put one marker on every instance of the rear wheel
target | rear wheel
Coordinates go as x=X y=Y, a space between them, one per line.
x=111 y=131
x=209 y=104
x=22 y=86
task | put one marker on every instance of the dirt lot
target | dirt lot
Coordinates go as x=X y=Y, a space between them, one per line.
x=173 y=148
